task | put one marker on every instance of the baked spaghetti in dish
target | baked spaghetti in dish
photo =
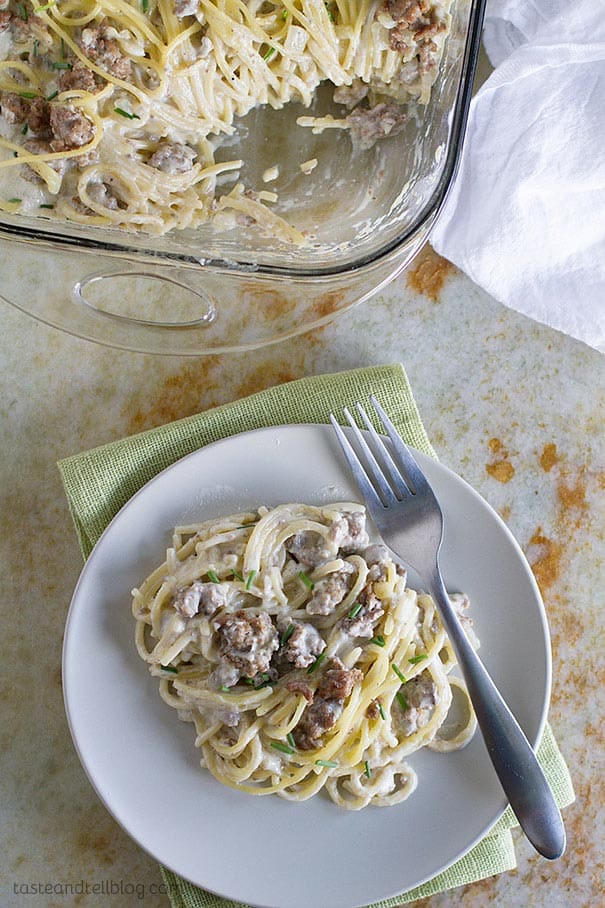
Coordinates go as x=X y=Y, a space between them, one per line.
x=112 y=111
x=294 y=646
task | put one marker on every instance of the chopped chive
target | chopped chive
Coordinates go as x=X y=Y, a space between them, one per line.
x=368 y=771
x=378 y=640
x=36 y=46
x=145 y=5
x=238 y=576
x=266 y=683
x=290 y=740
x=63 y=48
x=287 y=634
x=251 y=682
x=15 y=200
x=24 y=129
x=63 y=66
x=399 y=673
x=381 y=710
x=250 y=579
x=46 y=206
x=124 y=113
x=53 y=96
x=285 y=749
x=22 y=11
x=284 y=15
x=416 y=659
x=165 y=668
x=269 y=54
x=306 y=579
x=357 y=607
x=213 y=576
x=28 y=94
x=401 y=700
x=329 y=11
x=39 y=9
x=317 y=663
x=225 y=689
x=329 y=763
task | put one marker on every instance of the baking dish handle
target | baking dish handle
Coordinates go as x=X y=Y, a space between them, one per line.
x=112 y=294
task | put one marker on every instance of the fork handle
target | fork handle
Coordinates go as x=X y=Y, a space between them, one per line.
x=514 y=760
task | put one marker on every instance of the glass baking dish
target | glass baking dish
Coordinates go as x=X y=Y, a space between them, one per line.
x=201 y=292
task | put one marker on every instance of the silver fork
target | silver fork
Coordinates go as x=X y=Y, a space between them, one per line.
x=409 y=518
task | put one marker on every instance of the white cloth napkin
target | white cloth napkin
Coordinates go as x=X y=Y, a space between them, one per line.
x=525 y=218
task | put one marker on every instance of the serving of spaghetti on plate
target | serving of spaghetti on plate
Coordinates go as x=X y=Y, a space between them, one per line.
x=305 y=663
x=143 y=763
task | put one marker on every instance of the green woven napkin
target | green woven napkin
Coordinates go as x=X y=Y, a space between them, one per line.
x=99 y=482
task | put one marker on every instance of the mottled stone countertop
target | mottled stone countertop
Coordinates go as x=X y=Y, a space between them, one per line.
x=510 y=405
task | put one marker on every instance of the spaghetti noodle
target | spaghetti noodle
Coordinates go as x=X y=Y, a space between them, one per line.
x=304 y=662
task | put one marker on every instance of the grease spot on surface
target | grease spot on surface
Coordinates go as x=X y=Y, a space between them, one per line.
x=428 y=273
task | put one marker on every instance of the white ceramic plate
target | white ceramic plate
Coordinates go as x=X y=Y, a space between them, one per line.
x=267 y=851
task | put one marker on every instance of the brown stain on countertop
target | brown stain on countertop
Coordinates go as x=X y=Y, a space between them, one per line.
x=545 y=559
x=95 y=836
x=268 y=304
x=548 y=554
x=428 y=273
x=327 y=304
x=582 y=859
x=570 y=484
x=548 y=457
x=263 y=377
x=275 y=307
x=209 y=382
x=572 y=497
x=195 y=386
x=499 y=466
x=505 y=512
x=101 y=845
x=502 y=470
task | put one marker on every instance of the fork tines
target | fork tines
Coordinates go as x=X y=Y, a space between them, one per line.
x=393 y=470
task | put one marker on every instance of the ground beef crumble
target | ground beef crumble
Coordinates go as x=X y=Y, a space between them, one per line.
x=247 y=641
x=336 y=684
x=70 y=127
x=416 y=23
x=100 y=45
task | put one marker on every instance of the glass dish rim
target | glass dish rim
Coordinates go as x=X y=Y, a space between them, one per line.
x=427 y=217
